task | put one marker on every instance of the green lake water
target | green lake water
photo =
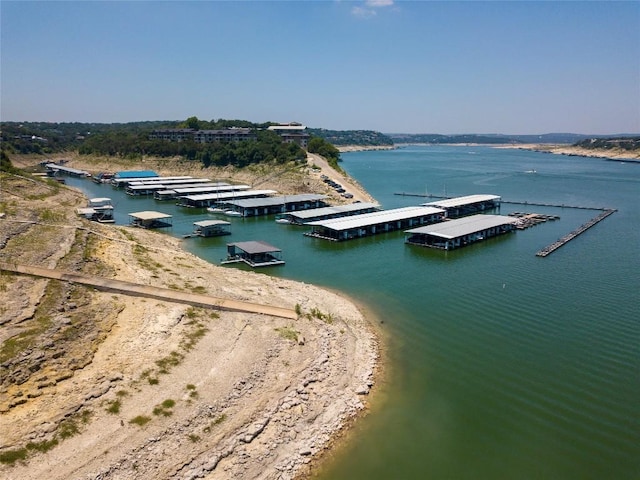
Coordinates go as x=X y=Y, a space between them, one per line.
x=502 y=365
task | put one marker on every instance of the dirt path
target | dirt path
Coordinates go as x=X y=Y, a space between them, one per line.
x=136 y=289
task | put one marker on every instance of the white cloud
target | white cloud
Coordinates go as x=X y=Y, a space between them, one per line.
x=368 y=10
x=378 y=3
x=363 y=12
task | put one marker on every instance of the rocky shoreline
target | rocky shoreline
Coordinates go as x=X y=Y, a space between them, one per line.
x=118 y=387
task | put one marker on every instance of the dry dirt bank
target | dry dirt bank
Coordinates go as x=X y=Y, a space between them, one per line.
x=613 y=154
x=99 y=385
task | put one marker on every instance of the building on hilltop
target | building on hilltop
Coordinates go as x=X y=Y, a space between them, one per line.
x=292 y=133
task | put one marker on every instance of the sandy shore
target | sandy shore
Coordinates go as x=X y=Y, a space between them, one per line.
x=120 y=387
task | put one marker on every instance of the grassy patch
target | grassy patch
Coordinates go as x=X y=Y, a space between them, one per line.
x=288 y=333
x=140 y=420
x=114 y=406
x=12 y=456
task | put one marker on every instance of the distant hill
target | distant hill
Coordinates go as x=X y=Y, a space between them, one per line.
x=352 y=137
x=554 y=138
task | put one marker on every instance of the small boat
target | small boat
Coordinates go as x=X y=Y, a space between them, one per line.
x=215 y=210
x=283 y=220
x=232 y=213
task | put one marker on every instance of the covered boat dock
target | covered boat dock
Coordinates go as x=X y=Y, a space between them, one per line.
x=461 y=206
x=211 y=228
x=54 y=169
x=325 y=213
x=209 y=199
x=121 y=179
x=356 y=226
x=460 y=232
x=254 y=253
x=150 y=219
x=218 y=187
x=254 y=207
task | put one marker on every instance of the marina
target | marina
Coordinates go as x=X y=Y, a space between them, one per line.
x=496 y=353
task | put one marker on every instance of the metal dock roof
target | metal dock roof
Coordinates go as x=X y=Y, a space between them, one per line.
x=336 y=209
x=460 y=201
x=228 y=196
x=255 y=246
x=383 y=216
x=463 y=226
x=210 y=223
x=280 y=200
x=149 y=215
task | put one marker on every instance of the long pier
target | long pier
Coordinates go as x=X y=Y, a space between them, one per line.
x=570 y=236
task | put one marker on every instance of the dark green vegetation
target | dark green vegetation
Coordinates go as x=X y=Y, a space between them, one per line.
x=352 y=137
x=131 y=140
x=624 y=143
x=325 y=149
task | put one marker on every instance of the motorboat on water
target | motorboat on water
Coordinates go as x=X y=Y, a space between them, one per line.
x=215 y=210
x=232 y=213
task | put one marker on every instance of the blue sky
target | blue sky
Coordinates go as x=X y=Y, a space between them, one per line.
x=391 y=66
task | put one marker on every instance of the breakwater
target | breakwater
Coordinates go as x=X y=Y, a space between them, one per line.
x=578 y=231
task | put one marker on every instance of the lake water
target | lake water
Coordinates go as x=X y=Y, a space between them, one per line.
x=502 y=365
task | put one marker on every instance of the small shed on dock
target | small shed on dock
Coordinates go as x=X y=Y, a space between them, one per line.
x=150 y=219
x=211 y=228
x=255 y=253
x=460 y=232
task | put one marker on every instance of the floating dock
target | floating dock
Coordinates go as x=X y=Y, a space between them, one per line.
x=254 y=207
x=325 y=213
x=578 y=231
x=356 y=226
x=150 y=219
x=461 y=232
x=468 y=205
x=211 y=228
x=255 y=253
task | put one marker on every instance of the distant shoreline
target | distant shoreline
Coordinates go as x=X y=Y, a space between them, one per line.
x=556 y=149
x=573 y=150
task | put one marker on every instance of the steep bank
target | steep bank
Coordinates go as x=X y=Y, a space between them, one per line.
x=99 y=385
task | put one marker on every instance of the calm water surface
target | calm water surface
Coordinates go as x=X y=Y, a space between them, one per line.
x=503 y=365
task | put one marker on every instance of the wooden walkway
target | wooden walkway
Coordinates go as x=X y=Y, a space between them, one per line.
x=570 y=236
x=139 y=290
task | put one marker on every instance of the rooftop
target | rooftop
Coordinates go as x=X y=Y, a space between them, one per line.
x=463 y=226
x=255 y=246
x=460 y=201
x=383 y=216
